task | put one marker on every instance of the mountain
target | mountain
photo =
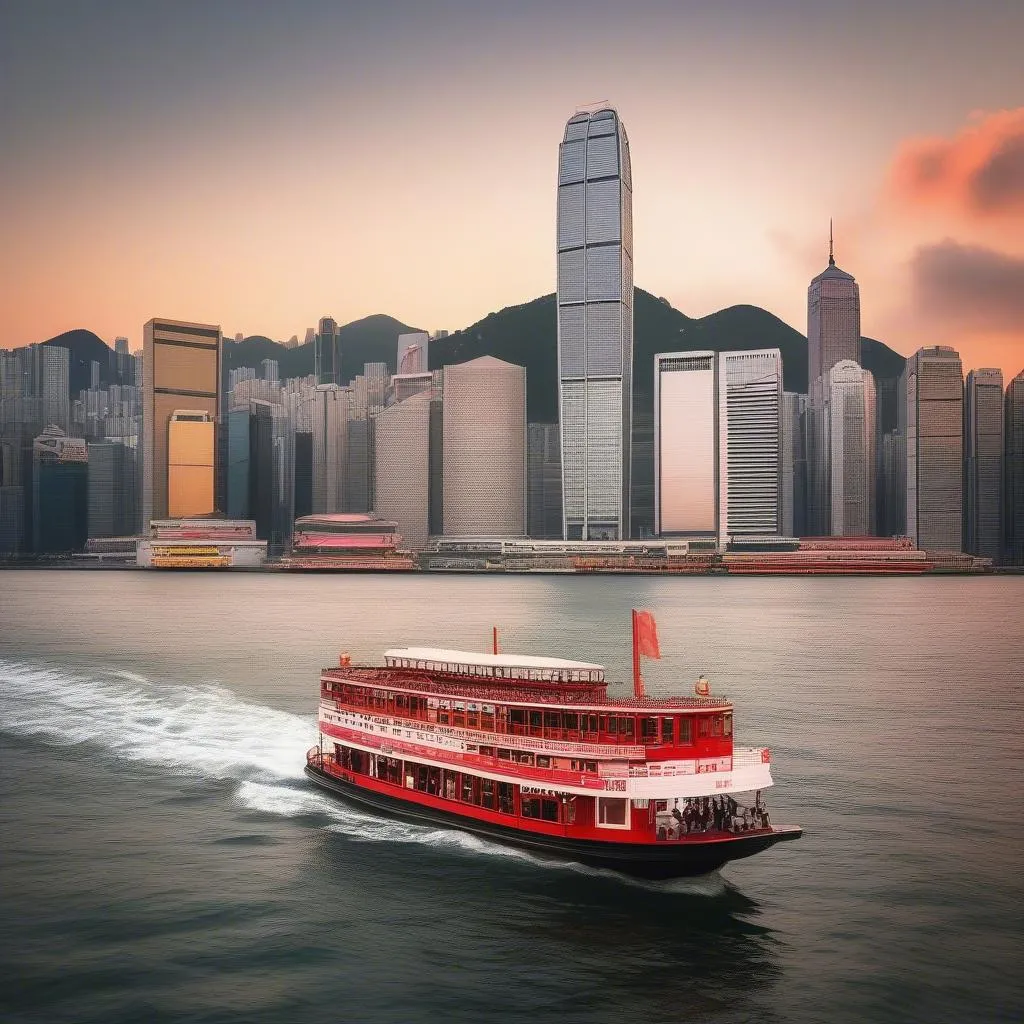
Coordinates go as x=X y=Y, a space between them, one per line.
x=85 y=348
x=373 y=339
x=527 y=335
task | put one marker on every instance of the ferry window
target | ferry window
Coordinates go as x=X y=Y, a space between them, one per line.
x=612 y=811
x=668 y=730
x=505 y=798
x=727 y=725
x=702 y=727
x=592 y=723
x=684 y=730
x=442 y=716
x=504 y=755
x=487 y=720
x=487 y=793
x=626 y=727
x=571 y=721
x=467 y=789
x=543 y=762
x=591 y=766
x=530 y=807
x=473 y=719
x=552 y=720
x=517 y=716
x=535 y=719
x=549 y=810
x=570 y=811
x=486 y=751
x=602 y=723
x=649 y=729
x=613 y=725
x=525 y=757
x=716 y=725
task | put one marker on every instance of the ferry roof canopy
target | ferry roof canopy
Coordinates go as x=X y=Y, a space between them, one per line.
x=442 y=655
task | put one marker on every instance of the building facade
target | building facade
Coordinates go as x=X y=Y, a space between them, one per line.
x=484 y=449
x=983 y=464
x=850 y=430
x=1014 y=471
x=402 y=469
x=794 y=464
x=686 y=444
x=60 y=492
x=113 y=489
x=595 y=325
x=413 y=353
x=330 y=406
x=749 y=444
x=543 y=481
x=181 y=369
x=934 y=389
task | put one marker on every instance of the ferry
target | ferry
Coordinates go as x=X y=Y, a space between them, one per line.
x=533 y=752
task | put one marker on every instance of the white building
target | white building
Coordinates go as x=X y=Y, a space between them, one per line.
x=685 y=444
x=329 y=413
x=850 y=429
x=484 y=449
x=402 y=467
x=749 y=443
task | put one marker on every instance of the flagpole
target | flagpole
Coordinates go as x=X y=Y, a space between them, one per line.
x=638 y=683
x=494 y=638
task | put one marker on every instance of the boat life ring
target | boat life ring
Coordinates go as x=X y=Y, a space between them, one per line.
x=702 y=687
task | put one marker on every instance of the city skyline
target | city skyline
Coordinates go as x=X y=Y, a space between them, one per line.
x=926 y=193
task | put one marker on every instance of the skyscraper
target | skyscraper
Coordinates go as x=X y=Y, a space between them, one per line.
x=181 y=369
x=1014 y=470
x=595 y=325
x=983 y=464
x=833 y=335
x=113 y=489
x=794 y=464
x=330 y=445
x=934 y=389
x=484 y=449
x=749 y=442
x=402 y=470
x=543 y=481
x=60 y=492
x=412 y=353
x=327 y=353
x=685 y=444
x=850 y=430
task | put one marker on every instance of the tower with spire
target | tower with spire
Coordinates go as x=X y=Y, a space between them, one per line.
x=833 y=336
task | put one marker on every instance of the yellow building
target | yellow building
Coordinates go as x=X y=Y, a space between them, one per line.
x=181 y=370
x=190 y=463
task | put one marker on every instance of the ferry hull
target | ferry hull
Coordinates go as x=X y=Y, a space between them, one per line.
x=661 y=860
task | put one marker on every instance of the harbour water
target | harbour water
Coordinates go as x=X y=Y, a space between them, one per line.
x=163 y=858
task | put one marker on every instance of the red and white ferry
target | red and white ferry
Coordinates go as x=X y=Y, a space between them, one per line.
x=534 y=752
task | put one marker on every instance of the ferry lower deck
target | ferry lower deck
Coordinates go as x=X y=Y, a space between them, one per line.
x=656 y=839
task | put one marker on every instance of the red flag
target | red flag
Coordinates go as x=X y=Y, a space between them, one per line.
x=647 y=635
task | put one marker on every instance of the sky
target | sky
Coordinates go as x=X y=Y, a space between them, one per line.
x=259 y=165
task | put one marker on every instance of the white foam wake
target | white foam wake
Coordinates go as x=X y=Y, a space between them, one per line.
x=211 y=732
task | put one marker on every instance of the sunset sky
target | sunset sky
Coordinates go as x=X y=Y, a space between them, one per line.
x=260 y=164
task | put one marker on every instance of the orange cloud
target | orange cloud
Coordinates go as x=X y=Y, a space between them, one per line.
x=979 y=173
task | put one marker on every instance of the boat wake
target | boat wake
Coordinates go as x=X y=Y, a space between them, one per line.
x=209 y=732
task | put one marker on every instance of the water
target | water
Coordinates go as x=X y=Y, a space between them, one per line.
x=163 y=858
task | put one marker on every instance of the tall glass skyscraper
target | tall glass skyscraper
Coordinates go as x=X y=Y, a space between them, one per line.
x=595 y=325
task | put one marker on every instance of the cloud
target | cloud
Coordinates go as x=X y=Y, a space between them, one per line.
x=979 y=172
x=975 y=287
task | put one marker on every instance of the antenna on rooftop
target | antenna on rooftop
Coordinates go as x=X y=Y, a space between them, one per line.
x=831 y=256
